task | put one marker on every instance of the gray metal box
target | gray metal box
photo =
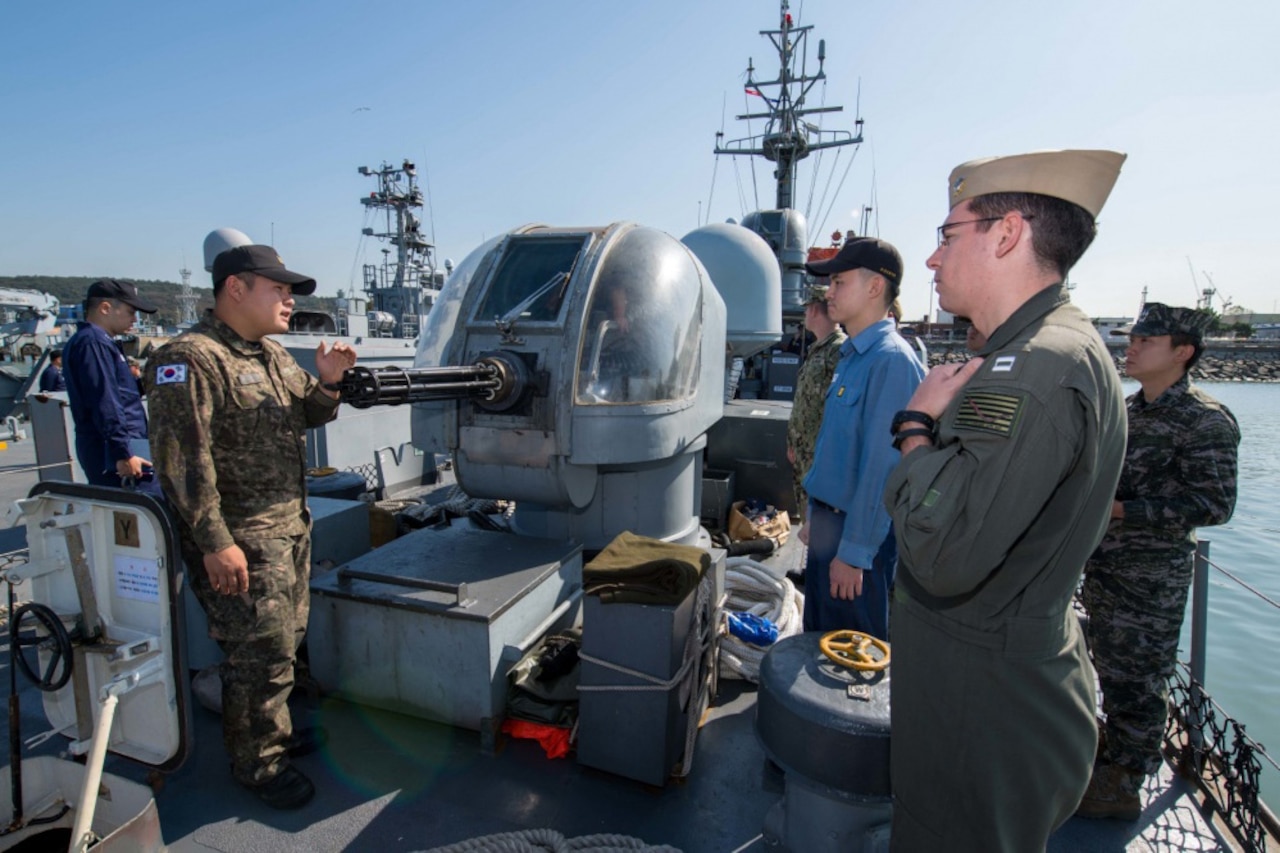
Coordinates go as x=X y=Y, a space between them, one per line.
x=751 y=441
x=638 y=734
x=339 y=532
x=782 y=370
x=428 y=624
x=717 y=497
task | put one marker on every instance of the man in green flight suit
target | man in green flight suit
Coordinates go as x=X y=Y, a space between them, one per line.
x=1179 y=473
x=811 y=387
x=1009 y=465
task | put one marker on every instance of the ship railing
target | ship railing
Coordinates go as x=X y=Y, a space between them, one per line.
x=1205 y=744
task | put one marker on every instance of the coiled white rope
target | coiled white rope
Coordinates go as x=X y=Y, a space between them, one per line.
x=751 y=588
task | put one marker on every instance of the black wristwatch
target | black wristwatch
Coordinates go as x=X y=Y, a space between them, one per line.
x=911 y=416
x=900 y=437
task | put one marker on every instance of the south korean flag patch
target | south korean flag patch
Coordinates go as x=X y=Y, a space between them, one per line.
x=171 y=374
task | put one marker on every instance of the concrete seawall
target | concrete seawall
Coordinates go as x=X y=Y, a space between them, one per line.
x=1222 y=361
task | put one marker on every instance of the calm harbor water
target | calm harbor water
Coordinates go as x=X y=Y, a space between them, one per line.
x=1243 y=671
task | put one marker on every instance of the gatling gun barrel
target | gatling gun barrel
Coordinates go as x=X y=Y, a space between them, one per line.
x=494 y=382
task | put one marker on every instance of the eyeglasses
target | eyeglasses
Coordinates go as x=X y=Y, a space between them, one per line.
x=944 y=240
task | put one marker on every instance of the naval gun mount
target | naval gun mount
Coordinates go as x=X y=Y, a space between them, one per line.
x=575 y=371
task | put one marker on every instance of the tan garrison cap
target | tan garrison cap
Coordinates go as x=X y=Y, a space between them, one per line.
x=1080 y=177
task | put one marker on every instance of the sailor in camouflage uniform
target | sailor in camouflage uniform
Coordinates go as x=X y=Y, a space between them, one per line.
x=1009 y=466
x=230 y=410
x=1179 y=474
x=811 y=388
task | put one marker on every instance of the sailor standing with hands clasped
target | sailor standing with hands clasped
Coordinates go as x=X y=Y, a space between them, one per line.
x=231 y=409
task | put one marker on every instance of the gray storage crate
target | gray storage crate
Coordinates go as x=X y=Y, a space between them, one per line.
x=429 y=624
x=636 y=734
x=717 y=497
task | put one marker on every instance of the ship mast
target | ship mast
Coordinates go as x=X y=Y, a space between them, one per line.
x=788 y=138
x=187 y=299
x=404 y=290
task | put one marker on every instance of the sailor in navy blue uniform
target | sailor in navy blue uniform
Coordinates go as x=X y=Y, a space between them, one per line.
x=852 y=552
x=105 y=401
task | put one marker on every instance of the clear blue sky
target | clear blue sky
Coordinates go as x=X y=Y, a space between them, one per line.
x=132 y=129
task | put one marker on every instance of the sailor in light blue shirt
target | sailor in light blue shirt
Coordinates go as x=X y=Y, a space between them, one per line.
x=852 y=551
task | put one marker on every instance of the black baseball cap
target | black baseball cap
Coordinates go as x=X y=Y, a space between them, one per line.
x=262 y=260
x=866 y=253
x=121 y=291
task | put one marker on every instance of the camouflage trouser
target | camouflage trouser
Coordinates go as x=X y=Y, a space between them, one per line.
x=1135 y=617
x=260 y=634
x=801 y=468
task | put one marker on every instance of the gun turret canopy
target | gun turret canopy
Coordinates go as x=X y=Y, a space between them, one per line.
x=595 y=359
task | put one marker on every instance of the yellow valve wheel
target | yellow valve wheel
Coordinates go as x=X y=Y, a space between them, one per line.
x=853 y=649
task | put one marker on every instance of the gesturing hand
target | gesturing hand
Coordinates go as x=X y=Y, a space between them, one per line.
x=333 y=362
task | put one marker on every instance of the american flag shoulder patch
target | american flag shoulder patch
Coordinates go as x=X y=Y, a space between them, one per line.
x=989 y=411
x=167 y=374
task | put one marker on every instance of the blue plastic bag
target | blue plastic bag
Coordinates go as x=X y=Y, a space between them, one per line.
x=753 y=629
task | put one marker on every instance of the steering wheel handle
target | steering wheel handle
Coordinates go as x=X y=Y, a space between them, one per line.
x=55 y=640
x=855 y=650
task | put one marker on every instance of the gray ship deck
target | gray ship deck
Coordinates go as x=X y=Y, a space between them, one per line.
x=388 y=782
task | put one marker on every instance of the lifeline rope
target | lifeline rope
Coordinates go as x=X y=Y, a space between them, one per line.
x=752 y=588
x=550 y=841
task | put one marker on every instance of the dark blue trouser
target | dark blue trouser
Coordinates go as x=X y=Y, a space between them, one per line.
x=869 y=612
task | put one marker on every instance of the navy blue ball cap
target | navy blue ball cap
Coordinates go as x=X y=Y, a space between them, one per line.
x=866 y=253
x=263 y=261
x=121 y=291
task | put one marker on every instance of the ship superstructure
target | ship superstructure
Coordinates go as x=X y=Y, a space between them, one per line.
x=402 y=288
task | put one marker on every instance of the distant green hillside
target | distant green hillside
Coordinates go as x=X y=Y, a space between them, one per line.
x=70 y=290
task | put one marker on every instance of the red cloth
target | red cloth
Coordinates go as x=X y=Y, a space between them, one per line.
x=553 y=739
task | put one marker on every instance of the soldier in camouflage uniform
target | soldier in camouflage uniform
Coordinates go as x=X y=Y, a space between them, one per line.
x=811 y=388
x=1179 y=474
x=230 y=410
